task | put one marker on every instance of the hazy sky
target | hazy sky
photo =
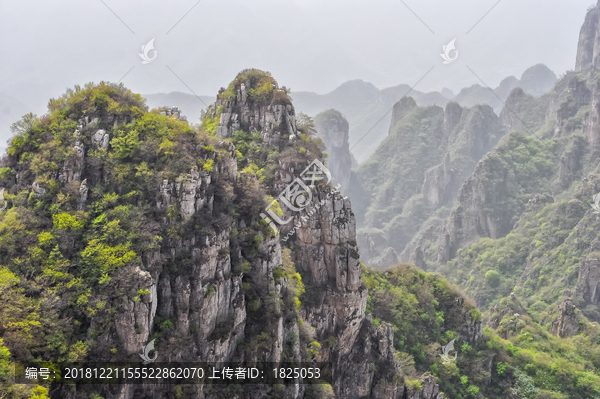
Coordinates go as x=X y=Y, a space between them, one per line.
x=312 y=45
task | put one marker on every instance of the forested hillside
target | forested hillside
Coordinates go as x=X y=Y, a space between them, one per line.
x=505 y=209
x=474 y=272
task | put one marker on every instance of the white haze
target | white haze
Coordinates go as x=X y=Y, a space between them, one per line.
x=308 y=45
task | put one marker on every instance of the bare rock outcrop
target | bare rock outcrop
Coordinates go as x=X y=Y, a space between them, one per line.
x=174 y=112
x=472 y=218
x=429 y=389
x=72 y=168
x=369 y=370
x=591 y=126
x=328 y=244
x=134 y=319
x=567 y=103
x=471 y=329
x=452 y=115
x=193 y=191
x=436 y=182
x=333 y=129
x=515 y=105
x=37 y=189
x=588 y=47
x=273 y=118
x=83 y=194
x=567 y=323
x=401 y=108
x=589 y=280
x=471 y=132
x=571 y=161
x=363 y=355
x=100 y=139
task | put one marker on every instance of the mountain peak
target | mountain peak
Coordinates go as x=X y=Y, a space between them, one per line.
x=588 y=45
x=357 y=86
x=538 y=79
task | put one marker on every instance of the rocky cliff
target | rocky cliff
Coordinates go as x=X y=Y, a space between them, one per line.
x=588 y=47
x=333 y=129
x=482 y=208
x=243 y=107
x=464 y=136
x=164 y=223
x=568 y=321
x=324 y=252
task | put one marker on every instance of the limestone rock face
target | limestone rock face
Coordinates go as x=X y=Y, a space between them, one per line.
x=401 y=108
x=38 y=190
x=72 y=169
x=568 y=102
x=202 y=300
x=470 y=219
x=100 y=139
x=134 y=318
x=429 y=389
x=272 y=120
x=452 y=115
x=174 y=112
x=467 y=222
x=588 y=47
x=467 y=134
x=369 y=368
x=471 y=330
x=190 y=191
x=328 y=244
x=193 y=191
x=436 y=182
x=588 y=280
x=328 y=256
x=567 y=323
x=571 y=161
x=333 y=129
x=83 y=194
x=479 y=210
x=515 y=103
x=591 y=127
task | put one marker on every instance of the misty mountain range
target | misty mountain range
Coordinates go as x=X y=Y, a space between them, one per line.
x=367 y=108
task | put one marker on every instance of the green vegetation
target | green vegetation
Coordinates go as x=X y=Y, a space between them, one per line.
x=74 y=256
x=260 y=86
x=425 y=311
x=389 y=194
x=533 y=197
x=64 y=258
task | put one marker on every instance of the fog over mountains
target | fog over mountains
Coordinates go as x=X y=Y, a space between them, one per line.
x=368 y=109
x=310 y=45
x=454 y=254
